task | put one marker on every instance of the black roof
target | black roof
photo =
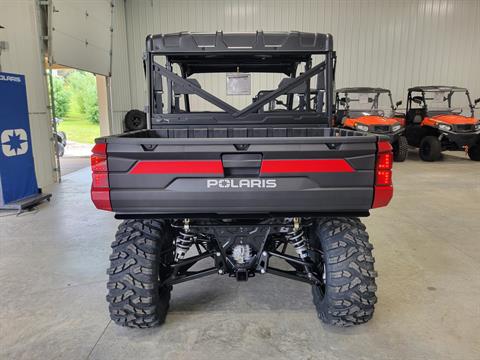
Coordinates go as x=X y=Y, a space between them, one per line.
x=437 y=88
x=362 y=90
x=244 y=43
x=274 y=52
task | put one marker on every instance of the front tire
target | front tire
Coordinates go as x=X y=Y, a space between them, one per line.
x=138 y=263
x=474 y=152
x=430 y=149
x=347 y=296
x=400 y=149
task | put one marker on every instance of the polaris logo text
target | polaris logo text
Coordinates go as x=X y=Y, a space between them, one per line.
x=242 y=183
x=10 y=78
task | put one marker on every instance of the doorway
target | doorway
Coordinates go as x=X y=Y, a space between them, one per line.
x=78 y=115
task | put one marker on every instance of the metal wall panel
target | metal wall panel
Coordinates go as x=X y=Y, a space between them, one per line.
x=393 y=44
x=120 y=80
x=23 y=55
x=81 y=34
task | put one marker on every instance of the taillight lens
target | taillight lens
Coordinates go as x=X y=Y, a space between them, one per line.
x=100 y=191
x=98 y=162
x=385 y=161
x=383 y=175
x=100 y=180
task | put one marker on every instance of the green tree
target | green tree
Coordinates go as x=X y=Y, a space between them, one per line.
x=83 y=89
x=61 y=97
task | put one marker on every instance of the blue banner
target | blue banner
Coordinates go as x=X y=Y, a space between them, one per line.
x=17 y=170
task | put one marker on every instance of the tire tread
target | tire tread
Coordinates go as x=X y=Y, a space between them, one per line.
x=350 y=287
x=134 y=296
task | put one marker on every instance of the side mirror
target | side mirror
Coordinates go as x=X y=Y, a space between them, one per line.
x=476 y=101
x=398 y=103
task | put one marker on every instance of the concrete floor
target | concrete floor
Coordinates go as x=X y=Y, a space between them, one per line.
x=71 y=164
x=428 y=258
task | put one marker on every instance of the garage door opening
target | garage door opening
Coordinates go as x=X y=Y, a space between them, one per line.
x=77 y=116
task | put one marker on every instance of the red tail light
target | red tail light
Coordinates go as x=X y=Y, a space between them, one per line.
x=100 y=180
x=383 y=175
x=100 y=191
x=98 y=159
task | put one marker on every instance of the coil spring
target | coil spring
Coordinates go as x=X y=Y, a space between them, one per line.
x=297 y=239
x=183 y=243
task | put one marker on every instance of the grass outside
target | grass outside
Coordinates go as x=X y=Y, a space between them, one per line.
x=78 y=128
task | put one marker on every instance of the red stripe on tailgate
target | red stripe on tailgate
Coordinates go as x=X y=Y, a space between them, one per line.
x=305 y=166
x=178 y=167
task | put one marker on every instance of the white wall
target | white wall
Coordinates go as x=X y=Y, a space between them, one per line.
x=23 y=56
x=120 y=90
x=386 y=43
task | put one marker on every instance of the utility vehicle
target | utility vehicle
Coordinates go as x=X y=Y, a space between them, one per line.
x=442 y=118
x=241 y=192
x=371 y=109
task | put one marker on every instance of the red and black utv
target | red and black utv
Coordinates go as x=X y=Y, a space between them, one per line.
x=442 y=118
x=371 y=110
x=241 y=192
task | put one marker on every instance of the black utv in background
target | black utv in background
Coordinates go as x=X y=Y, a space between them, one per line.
x=234 y=188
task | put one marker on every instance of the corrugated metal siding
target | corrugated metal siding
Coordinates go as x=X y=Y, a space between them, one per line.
x=23 y=56
x=393 y=44
x=120 y=81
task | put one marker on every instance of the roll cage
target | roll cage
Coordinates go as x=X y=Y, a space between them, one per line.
x=345 y=100
x=418 y=95
x=267 y=52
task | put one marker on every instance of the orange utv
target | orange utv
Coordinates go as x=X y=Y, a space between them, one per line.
x=442 y=118
x=368 y=109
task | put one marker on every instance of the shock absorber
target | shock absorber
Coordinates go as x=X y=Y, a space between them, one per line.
x=184 y=240
x=297 y=238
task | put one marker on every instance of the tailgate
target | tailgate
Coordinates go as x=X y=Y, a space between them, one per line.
x=188 y=176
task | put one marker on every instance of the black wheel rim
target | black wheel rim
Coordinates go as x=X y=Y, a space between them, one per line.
x=136 y=121
x=321 y=273
x=322 y=287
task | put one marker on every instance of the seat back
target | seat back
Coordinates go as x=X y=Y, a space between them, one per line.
x=299 y=89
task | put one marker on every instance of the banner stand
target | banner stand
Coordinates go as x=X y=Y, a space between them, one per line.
x=26 y=203
x=18 y=184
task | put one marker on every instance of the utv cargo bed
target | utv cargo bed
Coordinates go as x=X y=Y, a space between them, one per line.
x=222 y=171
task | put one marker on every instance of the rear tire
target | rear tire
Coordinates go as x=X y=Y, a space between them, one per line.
x=474 y=152
x=400 y=149
x=348 y=296
x=137 y=265
x=430 y=149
